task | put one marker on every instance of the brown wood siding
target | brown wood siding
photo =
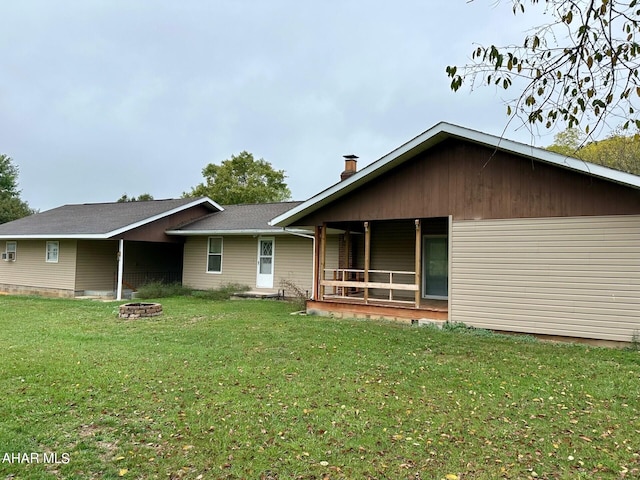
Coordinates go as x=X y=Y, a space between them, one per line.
x=31 y=270
x=154 y=232
x=469 y=182
x=97 y=265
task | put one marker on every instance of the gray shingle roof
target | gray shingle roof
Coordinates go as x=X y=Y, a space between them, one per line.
x=238 y=218
x=97 y=220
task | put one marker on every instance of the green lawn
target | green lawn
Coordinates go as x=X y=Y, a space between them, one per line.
x=243 y=389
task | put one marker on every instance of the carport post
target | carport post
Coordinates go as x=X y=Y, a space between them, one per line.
x=120 y=268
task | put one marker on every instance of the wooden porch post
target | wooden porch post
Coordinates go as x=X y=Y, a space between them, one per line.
x=347 y=255
x=347 y=250
x=418 y=275
x=367 y=260
x=323 y=255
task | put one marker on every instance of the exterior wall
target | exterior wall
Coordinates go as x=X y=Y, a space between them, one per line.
x=293 y=261
x=571 y=277
x=473 y=182
x=393 y=246
x=97 y=265
x=155 y=231
x=31 y=274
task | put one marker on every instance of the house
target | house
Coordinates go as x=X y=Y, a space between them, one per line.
x=467 y=227
x=238 y=246
x=106 y=249
x=96 y=249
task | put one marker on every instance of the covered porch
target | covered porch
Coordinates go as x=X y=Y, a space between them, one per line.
x=384 y=268
x=114 y=268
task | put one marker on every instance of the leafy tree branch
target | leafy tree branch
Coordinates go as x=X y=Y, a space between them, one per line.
x=580 y=69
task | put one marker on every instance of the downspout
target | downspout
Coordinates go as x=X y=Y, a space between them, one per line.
x=120 y=268
x=313 y=266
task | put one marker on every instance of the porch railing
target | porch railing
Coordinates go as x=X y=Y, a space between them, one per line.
x=350 y=283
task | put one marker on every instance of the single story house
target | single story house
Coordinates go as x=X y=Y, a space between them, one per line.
x=106 y=249
x=467 y=227
x=96 y=249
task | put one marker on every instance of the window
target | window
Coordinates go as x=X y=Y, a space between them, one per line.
x=214 y=258
x=52 y=252
x=10 y=251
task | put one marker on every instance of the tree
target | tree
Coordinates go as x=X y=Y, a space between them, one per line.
x=579 y=69
x=242 y=179
x=145 y=197
x=567 y=142
x=11 y=206
x=618 y=151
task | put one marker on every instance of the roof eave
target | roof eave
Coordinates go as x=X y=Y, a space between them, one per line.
x=148 y=220
x=57 y=236
x=432 y=137
x=242 y=231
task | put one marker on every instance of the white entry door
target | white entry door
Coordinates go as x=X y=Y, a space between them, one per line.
x=265 y=263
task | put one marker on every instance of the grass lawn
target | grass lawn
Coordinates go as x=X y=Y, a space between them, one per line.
x=243 y=389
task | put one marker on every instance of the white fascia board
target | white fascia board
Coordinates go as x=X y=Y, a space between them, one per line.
x=547 y=156
x=162 y=215
x=433 y=136
x=193 y=233
x=41 y=236
x=111 y=234
x=371 y=171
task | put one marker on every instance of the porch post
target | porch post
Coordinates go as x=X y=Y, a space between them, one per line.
x=418 y=275
x=316 y=263
x=323 y=257
x=120 y=269
x=347 y=253
x=367 y=261
x=347 y=250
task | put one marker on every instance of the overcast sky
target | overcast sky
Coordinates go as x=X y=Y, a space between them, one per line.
x=104 y=97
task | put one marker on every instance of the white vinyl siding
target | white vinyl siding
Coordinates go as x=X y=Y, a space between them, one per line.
x=29 y=270
x=293 y=262
x=577 y=277
x=97 y=264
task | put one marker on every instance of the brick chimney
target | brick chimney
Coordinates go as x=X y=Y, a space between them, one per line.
x=350 y=166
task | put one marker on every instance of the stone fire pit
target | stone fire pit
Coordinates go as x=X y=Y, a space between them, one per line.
x=139 y=310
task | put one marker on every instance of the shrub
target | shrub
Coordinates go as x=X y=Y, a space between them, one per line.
x=299 y=298
x=222 y=293
x=163 y=290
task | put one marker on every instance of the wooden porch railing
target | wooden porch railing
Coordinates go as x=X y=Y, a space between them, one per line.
x=350 y=282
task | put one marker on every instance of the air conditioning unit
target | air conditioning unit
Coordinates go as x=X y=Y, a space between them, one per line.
x=9 y=256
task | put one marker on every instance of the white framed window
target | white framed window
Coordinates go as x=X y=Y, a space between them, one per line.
x=52 y=252
x=10 y=251
x=214 y=255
